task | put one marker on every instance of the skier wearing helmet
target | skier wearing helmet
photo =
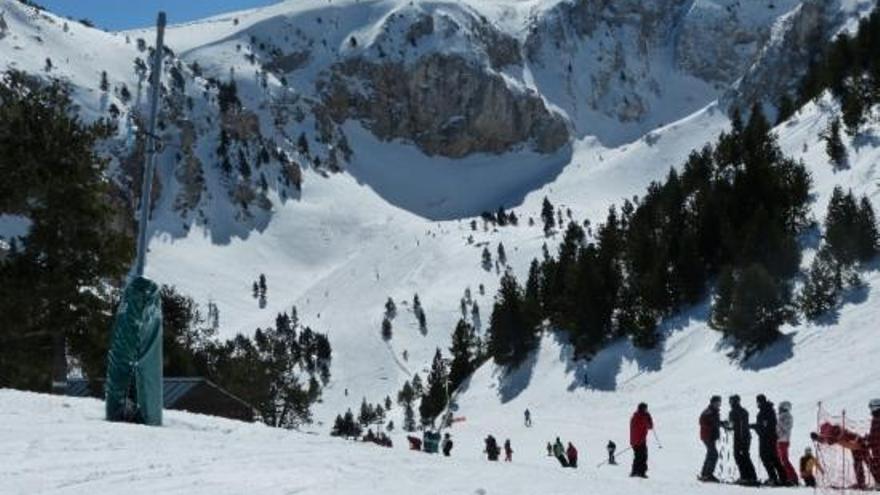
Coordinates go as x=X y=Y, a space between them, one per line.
x=784 y=423
x=809 y=467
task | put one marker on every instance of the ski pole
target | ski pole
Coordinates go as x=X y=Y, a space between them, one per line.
x=657 y=439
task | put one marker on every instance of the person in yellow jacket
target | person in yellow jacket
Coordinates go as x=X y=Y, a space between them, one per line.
x=809 y=467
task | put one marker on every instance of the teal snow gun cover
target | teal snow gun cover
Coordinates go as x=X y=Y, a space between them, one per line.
x=134 y=363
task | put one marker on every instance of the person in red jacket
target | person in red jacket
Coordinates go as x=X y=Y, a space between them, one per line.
x=572 y=454
x=710 y=432
x=832 y=434
x=639 y=426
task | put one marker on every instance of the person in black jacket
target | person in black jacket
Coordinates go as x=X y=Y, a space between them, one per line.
x=766 y=429
x=738 y=423
x=710 y=432
x=447 y=445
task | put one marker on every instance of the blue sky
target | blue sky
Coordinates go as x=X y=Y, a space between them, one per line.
x=125 y=14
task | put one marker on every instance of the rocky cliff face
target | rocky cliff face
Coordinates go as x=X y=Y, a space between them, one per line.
x=796 y=42
x=626 y=59
x=444 y=104
x=251 y=104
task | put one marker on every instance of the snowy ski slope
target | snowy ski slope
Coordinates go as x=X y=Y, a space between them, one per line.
x=353 y=239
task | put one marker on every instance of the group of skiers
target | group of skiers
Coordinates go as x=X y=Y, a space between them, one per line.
x=431 y=443
x=492 y=451
x=774 y=427
x=379 y=439
x=567 y=457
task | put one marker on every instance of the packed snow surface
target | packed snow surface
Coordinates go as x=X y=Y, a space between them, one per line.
x=397 y=223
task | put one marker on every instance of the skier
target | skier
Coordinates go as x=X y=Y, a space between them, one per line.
x=639 y=425
x=809 y=466
x=830 y=434
x=611 y=447
x=572 y=454
x=783 y=433
x=559 y=452
x=414 y=443
x=447 y=445
x=766 y=429
x=508 y=451
x=549 y=449
x=710 y=432
x=873 y=440
x=492 y=450
x=528 y=417
x=738 y=422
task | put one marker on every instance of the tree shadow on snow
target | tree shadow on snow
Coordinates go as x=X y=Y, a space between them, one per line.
x=602 y=371
x=777 y=353
x=512 y=382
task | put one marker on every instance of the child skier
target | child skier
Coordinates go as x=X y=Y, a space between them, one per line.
x=611 y=447
x=508 y=451
x=809 y=467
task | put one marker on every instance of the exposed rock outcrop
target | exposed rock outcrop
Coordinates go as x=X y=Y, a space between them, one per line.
x=445 y=104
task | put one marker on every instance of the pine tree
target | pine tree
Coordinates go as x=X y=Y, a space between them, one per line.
x=720 y=315
x=390 y=309
x=409 y=418
x=338 y=427
x=532 y=299
x=510 y=336
x=58 y=287
x=386 y=329
x=502 y=256
x=48 y=64
x=388 y=403
x=406 y=395
x=463 y=355
x=352 y=428
x=487 y=259
x=841 y=227
x=821 y=291
x=756 y=310
x=105 y=84
x=868 y=240
x=834 y=144
x=435 y=397
x=417 y=386
x=475 y=316
x=547 y=216
x=367 y=414
x=124 y=94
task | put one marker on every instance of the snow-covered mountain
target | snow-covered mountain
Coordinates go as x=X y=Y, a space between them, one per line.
x=417 y=116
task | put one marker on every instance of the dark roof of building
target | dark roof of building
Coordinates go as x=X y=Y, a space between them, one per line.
x=173 y=389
